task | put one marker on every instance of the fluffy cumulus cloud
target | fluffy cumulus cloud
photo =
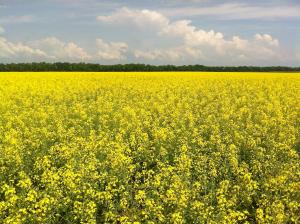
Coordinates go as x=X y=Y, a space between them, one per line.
x=59 y=50
x=181 y=53
x=19 y=51
x=111 y=50
x=268 y=39
x=195 y=44
x=54 y=49
x=140 y=18
x=47 y=49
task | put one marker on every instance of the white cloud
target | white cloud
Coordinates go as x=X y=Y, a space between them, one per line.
x=59 y=50
x=195 y=44
x=181 y=53
x=141 y=18
x=45 y=49
x=111 y=50
x=54 y=49
x=191 y=35
x=266 y=38
x=236 y=11
x=9 y=50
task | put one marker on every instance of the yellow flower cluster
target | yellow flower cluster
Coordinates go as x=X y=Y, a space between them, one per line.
x=149 y=148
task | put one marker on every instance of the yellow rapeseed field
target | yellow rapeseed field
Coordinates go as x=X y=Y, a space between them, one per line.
x=149 y=148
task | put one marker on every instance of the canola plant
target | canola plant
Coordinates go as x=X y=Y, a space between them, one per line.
x=149 y=148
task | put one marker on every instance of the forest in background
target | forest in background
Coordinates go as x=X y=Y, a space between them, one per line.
x=90 y=67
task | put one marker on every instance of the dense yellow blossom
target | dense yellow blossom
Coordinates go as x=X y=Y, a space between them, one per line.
x=149 y=148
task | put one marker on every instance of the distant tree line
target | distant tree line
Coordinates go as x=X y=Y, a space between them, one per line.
x=89 y=67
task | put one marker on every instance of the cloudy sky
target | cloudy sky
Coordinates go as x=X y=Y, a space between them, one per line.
x=210 y=32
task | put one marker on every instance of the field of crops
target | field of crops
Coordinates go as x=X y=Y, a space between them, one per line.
x=149 y=148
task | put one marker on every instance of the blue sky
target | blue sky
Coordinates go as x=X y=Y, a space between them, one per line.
x=206 y=32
